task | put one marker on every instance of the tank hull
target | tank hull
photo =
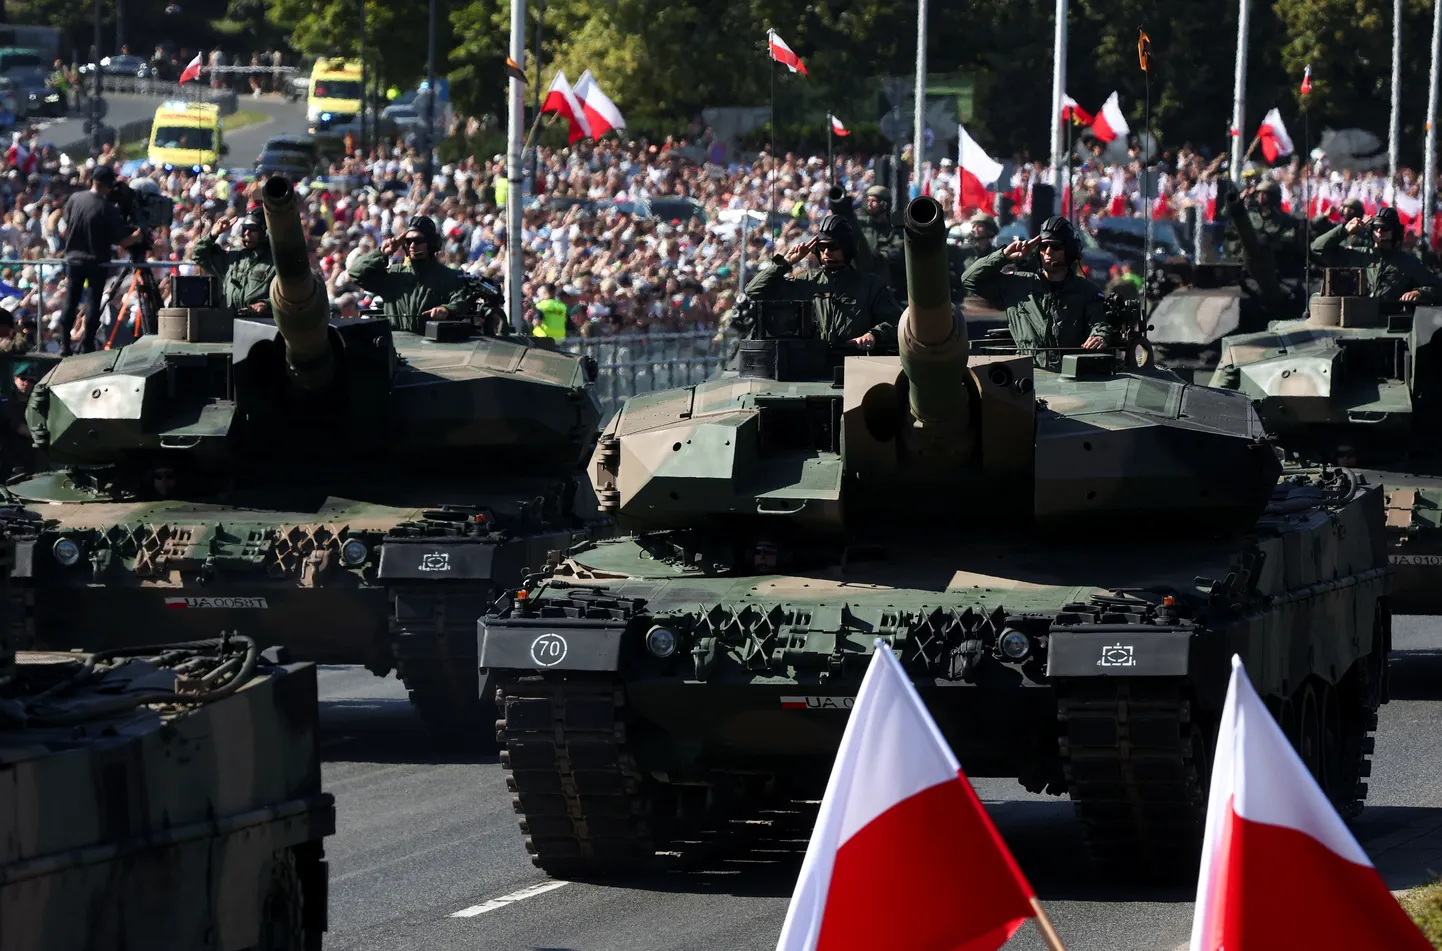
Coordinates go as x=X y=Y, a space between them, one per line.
x=1113 y=704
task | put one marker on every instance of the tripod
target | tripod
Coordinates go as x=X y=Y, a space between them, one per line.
x=144 y=290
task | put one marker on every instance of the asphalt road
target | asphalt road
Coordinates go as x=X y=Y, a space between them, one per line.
x=423 y=836
x=282 y=118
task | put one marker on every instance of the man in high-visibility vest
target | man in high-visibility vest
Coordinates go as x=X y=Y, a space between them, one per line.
x=552 y=322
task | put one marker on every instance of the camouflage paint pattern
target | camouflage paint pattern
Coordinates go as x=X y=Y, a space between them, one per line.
x=194 y=825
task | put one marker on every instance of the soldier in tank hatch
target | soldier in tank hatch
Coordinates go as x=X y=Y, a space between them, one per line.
x=245 y=274
x=850 y=305
x=419 y=290
x=1050 y=308
x=1393 y=275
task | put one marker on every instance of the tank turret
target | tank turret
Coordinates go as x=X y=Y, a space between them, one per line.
x=931 y=336
x=298 y=298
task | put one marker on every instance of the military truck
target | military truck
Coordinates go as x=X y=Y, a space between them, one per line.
x=1191 y=313
x=1064 y=562
x=155 y=797
x=352 y=493
x=1360 y=382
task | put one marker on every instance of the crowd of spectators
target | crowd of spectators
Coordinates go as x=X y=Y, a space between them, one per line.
x=628 y=236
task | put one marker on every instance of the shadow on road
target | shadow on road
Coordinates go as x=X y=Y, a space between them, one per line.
x=383 y=730
x=1416 y=675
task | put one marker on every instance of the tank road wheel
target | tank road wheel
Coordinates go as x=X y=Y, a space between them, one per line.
x=1357 y=699
x=283 y=925
x=1286 y=715
x=1309 y=731
x=586 y=807
x=1137 y=766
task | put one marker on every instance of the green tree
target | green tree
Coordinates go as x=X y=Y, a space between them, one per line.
x=396 y=31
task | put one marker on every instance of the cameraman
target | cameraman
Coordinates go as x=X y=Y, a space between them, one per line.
x=246 y=273
x=94 y=227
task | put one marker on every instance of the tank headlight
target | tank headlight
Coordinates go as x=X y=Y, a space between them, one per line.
x=66 y=552
x=354 y=552
x=1015 y=645
x=661 y=642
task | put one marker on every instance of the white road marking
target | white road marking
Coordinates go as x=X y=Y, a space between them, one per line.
x=505 y=900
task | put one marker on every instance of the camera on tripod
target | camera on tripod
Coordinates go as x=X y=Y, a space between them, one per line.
x=144 y=208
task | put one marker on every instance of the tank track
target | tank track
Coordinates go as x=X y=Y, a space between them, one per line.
x=584 y=802
x=1130 y=752
x=435 y=657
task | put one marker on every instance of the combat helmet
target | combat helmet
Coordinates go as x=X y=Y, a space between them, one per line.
x=881 y=192
x=1057 y=228
x=427 y=229
x=835 y=229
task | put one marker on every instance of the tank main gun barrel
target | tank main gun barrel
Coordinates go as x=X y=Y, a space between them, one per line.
x=298 y=298
x=1256 y=259
x=932 y=338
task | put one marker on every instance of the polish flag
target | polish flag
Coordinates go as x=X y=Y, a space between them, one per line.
x=837 y=127
x=190 y=72
x=1071 y=110
x=602 y=116
x=563 y=101
x=783 y=54
x=1307 y=80
x=1273 y=135
x=899 y=811
x=1110 y=124
x=1409 y=209
x=1279 y=869
x=977 y=170
x=1117 y=205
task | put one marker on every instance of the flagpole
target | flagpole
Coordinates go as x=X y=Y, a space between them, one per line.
x=918 y=147
x=830 y=165
x=1239 y=91
x=1394 y=125
x=1058 y=91
x=1043 y=924
x=1144 y=52
x=1306 y=197
x=516 y=121
x=772 y=207
x=1070 y=175
x=1429 y=183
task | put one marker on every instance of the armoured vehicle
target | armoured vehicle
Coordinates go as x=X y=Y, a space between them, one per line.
x=1063 y=561
x=1193 y=310
x=1360 y=381
x=155 y=797
x=326 y=484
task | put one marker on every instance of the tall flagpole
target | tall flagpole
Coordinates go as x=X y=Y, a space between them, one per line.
x=1429 y=175
x=918 y=144
x=830 y=162
x=1058 y=91
x=1239 y=91
x=515 y=201
x=772 y=207
x=1394 y=125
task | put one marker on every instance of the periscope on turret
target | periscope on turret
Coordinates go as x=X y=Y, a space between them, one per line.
x=331 y=485
x=1068 y=558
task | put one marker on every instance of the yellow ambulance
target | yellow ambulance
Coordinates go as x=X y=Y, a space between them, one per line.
x=335 y=92
x=187 y=135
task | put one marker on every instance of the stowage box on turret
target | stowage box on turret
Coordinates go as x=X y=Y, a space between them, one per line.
x=1064 y=563
x=350 y=492
x=1360 y=381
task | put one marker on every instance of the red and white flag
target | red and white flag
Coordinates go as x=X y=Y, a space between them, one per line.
x=602 y=116
x=190 y=72
x=1409 y=209
x=837 y=127
x=1110 y=124
x=563 y=101
x=783 y=54
x=898 y=810
x=1273 y=135
x=1307 y=80
x=1279 y=869
x=977 y=170
x=1070 y=109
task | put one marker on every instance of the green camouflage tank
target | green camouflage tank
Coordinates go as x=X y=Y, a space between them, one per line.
x=1064 y=563
x=1360 y=382
x=156 y=797
x=353 y=493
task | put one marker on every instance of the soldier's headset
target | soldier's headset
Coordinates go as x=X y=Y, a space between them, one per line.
x=427 y=228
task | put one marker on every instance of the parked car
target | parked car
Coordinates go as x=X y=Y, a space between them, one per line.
x=293 y=165
x=302 y=144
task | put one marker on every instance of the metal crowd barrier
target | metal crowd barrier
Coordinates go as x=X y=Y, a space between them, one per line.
x=630 y=364
x=40 y=264
x=164 y=88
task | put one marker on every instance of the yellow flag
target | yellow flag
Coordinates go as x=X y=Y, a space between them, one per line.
x=1144 y=49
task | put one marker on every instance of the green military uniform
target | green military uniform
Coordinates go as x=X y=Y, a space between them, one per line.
x=1039 y=313
x=1390 y=274
x=885 y=248
x=244 y=275
x=847 y=302
x=409 y=289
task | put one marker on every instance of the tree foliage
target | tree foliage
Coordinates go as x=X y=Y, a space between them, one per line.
x=396 y=32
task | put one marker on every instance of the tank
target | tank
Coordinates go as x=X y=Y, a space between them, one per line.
x=1064 y=562
x=156 y=797
x=1193 y=312
x=328 y=485
x=1360 y=381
